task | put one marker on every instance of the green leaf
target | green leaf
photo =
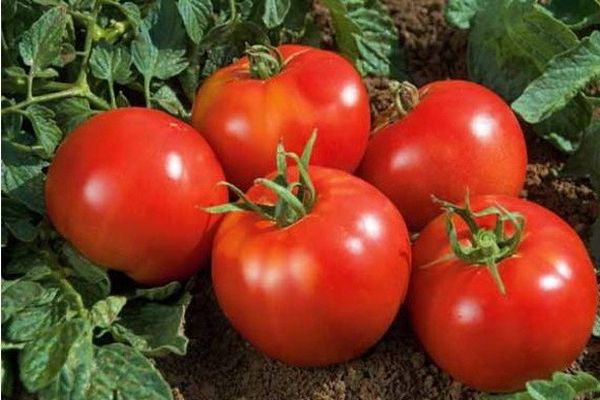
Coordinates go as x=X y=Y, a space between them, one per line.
x=167 y=99
x=561 y=387
x=275 y=12
x=510 y=43
x=152 y=62
x=72 y=112
x=153 y=328
x=20 y=221
x=42 y=359
x=542 y=390
x=111 y=63
x=366 y=34
x=564 y=128
x=586 y=161
x=196 y=16
x=460 y=12
x=158 y=293
x=44 y=126
x=565 y=76
x=41 y=43
x=89 y=279
x=581 y=382
x=106 y=311
x=22 y=177
x=74 y=379
x=133 y=14
x=163 y=17
x=123 y=373
x=21 y=294
x=577 y=14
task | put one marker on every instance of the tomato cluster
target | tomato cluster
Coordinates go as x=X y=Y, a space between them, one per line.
x=311 y=264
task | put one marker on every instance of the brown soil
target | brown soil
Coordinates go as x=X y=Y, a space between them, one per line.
x=222 y=366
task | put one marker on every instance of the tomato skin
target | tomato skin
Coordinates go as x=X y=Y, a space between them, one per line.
x=322 y=290
x=460 y=136
x=243 y=119
x=125 y=187
x=492 y=342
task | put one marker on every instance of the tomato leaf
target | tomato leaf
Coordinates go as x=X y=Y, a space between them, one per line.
x=42 y=359
x=75 y=376
x=44 y=126
x=586 y=161
x=152 y=62
x=133 y=14
x=167 y=99
x=111 y=63
x=510 y=43
x=41 y=44
x=275 y=12
x=162 y=17
x=366 y=34
x=460 y=12
x=124 y=373
x=564 y=77
x=153 y=328
x=158 y=293
x=196 y=16
x=562 y=386
x=71 y=112
x=22 y=176
x=20 y=221
x=106 y=311
x=88 y=278
x=577 y=14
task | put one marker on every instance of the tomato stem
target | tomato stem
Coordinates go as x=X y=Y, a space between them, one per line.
x=406 y=96
x=294 y=199
x=486 y=247
x=264 y=61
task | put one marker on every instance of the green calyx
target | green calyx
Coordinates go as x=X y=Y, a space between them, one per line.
x=406 y=96
x=486 y=247
x=265 y=61
x=294 y=199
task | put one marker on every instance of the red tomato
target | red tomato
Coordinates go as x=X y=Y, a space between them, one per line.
x=125 y=188
x=495 y=342
x=319 y=291
x=243 y=118
x=459 y=136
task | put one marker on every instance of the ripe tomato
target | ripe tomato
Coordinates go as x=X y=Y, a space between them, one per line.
x=125 y=188
x=459 y=136
x=495 y=342
x=323 y=289
x=243 y=118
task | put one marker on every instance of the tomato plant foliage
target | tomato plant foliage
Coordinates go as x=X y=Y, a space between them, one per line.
x=69 y=331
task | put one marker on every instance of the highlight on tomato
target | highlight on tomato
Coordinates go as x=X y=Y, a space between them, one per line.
x=312 y=264
x=125 y=189
x=503 y=291
x=452 y=136
x=283 y=93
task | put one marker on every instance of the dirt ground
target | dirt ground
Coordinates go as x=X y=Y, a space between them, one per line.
x=222 y=366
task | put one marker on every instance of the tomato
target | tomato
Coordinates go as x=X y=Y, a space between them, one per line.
x=459 y=136
x=323 y=289
x=125 y=188
x=243 y=118
x=492 y=341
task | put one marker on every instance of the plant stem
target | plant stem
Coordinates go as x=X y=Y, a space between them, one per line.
x=30 y=83
x=233 y=10
x=111 y=93
x=75 y=90
x=147 y=91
